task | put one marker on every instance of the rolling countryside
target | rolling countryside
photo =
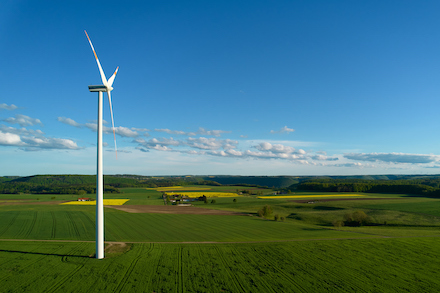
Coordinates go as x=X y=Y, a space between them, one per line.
x=47 y=245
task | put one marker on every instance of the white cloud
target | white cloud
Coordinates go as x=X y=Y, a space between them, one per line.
x=69 y=121
x=176 y=132
x=278 y=148
x=92 y=126
x=23 y=120
x=216 y=133
x=119 y=151
x=156 y=144
x=160 y=147
x=393 y=158
x=227 y=153
x=50 y=143
x=355 y=165
x=33 y=143
x=10 y=139
x=142 y=149
x=284 y=129
x=140 y=129
x=201 y=131
x=210 y=143
x=21 y=131
x=324 y=158
x=263 y=155
x=121 y=131
x=8 y=107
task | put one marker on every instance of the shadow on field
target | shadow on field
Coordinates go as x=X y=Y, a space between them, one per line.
x=294 y=216
x=46 y=254
x=326 y=208
x=314 y=229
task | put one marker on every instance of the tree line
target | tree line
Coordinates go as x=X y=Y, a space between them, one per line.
x=426 y=187
x=82 y=184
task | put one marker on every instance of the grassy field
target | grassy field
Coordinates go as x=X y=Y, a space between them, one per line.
x=48 y=247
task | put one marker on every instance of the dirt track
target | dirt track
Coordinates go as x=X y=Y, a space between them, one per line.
x=171 y=210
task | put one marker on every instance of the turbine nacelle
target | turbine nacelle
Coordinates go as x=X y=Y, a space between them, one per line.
x=97 y=88
x=100 y=88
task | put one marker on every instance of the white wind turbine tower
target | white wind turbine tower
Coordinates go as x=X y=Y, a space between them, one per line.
x=105 y=87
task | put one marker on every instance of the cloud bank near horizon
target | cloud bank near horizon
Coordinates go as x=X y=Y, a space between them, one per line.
x=204 y=142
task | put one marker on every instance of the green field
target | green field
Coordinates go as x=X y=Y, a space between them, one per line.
x=380 y=265
x=48 y=247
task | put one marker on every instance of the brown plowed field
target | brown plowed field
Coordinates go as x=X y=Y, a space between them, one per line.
x=171 y=210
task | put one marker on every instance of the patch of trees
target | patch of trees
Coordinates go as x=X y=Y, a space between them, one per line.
x=355 y=219
x=255 y=181
x=208 y=182
x=80 y=189
x=265 y=212
x=426 y=187
x=73 y=184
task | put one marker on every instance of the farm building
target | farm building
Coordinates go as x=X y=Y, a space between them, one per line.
x=84 y=199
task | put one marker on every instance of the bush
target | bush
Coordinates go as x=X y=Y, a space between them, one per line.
x=234 y=200
x=276 y=217
x=356 y=219
x=338 y=223
x=282 y=219
x=265 y=211
x=213 y=201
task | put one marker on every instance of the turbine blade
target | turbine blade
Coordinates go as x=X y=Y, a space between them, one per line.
x=112 y=78
x=113 y=122
x=104 y=80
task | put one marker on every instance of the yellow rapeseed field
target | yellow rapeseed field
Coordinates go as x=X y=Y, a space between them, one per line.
x=179 y=188
x=306 y=196
x=207 y=194
x=107 y=202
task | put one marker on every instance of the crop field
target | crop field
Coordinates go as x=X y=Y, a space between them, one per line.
x=380 y=265
x=48 y=247
x=106 y=202
x=207 y=194
x=309 y=196
x=77 y=223
x=174 y=188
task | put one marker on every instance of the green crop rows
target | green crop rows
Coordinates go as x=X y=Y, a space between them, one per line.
x=50 y=247
x=381 y=265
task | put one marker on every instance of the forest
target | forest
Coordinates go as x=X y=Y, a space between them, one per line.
x=426 y=185
x=423 y=186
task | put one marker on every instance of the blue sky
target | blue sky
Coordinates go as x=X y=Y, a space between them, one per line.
x=222 y=87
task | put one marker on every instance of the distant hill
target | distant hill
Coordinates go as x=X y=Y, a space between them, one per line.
x=67 y=184
x=8 y=178
x=269 y=181
x=72 y=180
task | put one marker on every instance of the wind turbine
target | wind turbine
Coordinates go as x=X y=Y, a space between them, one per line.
x=105 y=87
